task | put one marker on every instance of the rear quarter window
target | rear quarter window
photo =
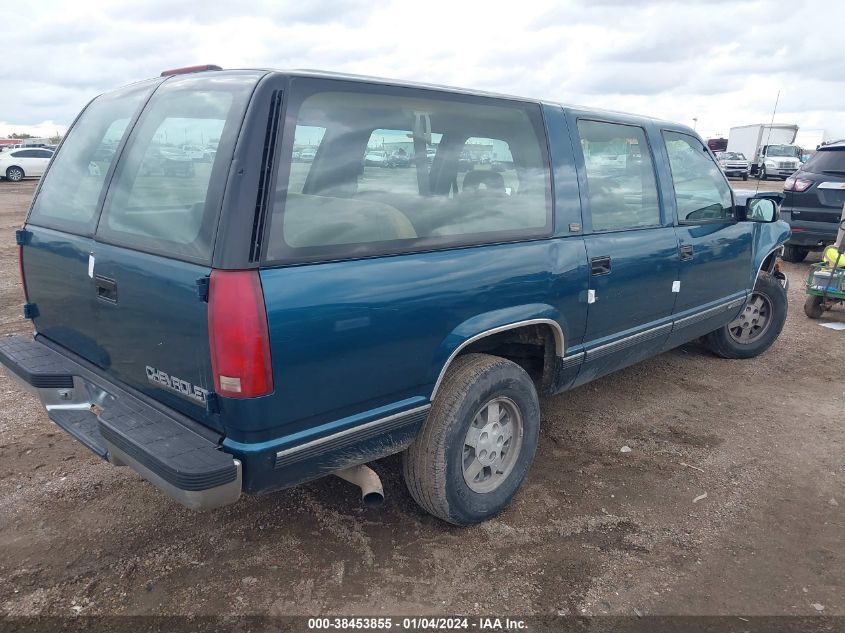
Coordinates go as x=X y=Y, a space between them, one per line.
x=832 y=160
x=369 y=170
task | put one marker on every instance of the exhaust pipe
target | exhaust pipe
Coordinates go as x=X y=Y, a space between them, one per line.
x=372 y=493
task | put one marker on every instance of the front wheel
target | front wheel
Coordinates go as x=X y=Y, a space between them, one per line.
x=478 y=442
x=757 y=326
x=762 y=175
x=745 y=176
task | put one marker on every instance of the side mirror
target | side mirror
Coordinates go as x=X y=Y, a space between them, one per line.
x=761 y=210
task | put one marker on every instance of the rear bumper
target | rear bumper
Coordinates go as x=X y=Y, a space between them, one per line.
x=812 y=239
x=170 y=451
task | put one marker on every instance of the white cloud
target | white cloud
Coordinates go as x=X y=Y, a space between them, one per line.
x=720 y=62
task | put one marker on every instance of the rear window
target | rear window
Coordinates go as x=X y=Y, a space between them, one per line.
x=167 y=190
x=831 y=160
x=70 y=191
x=381 y=170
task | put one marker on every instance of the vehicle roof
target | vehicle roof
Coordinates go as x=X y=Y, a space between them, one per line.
x=840 y=144
x=321 y=74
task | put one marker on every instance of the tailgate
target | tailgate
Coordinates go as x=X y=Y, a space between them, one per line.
x=125 y=290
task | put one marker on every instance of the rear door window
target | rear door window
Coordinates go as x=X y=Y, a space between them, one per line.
x=71 y=189
x=382 y=170
x=167 y=190
x=622 y=188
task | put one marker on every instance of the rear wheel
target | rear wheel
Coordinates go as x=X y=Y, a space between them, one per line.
x=745 y=176
x=476 y=447
x=758 y=325
x=794 y=254
x=15 y=174
x=814 y=307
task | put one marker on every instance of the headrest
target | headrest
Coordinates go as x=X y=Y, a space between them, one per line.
x=492 y=181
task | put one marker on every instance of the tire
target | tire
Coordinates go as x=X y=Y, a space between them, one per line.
x=814 y=307
x=15 y=174
x=729 y=341
x=761 y=175
x=745 y=176
x=794 y=254
x=439 y=464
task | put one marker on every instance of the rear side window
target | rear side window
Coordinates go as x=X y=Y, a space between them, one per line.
x=71 y=189
x=701 y=191
x=377 y=170
x=166 y=193
x=621 y=184
x=826 y=160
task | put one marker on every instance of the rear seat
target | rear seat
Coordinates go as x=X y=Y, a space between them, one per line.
x=323 y=220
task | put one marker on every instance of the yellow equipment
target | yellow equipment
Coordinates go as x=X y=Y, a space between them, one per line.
x=832 y=258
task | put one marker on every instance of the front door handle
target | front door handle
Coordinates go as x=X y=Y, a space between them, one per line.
x=106 y=288
x=687 y=251
x=600 y=265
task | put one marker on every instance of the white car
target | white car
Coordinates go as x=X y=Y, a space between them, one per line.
x=18 y=164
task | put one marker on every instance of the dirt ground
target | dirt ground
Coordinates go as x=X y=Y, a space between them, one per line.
x=593 y=531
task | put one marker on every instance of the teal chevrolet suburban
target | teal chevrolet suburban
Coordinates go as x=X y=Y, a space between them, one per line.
x=344 y=268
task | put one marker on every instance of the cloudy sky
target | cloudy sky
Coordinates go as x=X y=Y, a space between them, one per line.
x=720 y=62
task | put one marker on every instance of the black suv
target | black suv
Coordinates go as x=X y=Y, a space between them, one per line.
x=813 y=201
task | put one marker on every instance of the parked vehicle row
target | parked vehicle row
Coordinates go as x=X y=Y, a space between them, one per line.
x=734 y=164
x=255 y=327
x=769 y=148
x=17 y=164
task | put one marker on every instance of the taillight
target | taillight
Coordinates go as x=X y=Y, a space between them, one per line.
x=237 y=334
x=797 y=184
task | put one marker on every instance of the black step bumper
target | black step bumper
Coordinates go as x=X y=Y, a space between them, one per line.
x=161 y=445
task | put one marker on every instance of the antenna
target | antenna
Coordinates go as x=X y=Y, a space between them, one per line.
x=768 y=138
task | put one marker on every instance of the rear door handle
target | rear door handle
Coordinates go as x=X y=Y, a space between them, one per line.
x=687 y=251
x=106 y=288
x=600 y=265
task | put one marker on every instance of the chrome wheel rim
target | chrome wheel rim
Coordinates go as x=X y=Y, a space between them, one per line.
x=492 y=445
x=754 y=320
x=15 y=175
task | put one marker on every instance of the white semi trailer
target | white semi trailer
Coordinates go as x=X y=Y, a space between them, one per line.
x=769 y=148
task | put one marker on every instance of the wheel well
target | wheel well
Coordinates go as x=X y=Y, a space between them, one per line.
x=769 y=262
x=14 y=167
x=532 y=347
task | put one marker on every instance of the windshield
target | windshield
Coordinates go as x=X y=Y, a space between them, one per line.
x=732 y=156
x=790 y=151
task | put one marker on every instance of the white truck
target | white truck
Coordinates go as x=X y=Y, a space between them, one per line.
x=770 y=148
